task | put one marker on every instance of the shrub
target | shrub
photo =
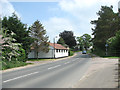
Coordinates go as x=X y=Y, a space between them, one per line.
x=71 y=53
x=22 y=56
x=12 y=64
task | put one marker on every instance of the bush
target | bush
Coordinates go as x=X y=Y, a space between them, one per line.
x=99 y=52
x=12 y=64
x=22 y=56
x=71 y=53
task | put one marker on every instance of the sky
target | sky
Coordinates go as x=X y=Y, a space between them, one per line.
x=57 y=15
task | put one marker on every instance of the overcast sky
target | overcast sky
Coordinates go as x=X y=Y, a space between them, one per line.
x=57 y=15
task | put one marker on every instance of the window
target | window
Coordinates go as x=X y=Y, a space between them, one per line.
x=59 y=50
x=56 y=50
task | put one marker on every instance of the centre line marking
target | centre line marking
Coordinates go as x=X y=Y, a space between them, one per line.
x=19 y=77
x=54 y=67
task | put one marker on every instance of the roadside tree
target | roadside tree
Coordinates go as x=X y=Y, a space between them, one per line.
x=69 y=38
x=14 y=25
x=40 y=38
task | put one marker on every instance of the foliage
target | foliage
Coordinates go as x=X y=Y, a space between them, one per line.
x=61 y=41
x=40 y=38
x=114 y=44
x=9 y=47
x=71 y=53
x=84 y=41
x=22 y=55
x=69 y=38
x=13 y=24
x=105 y=27
x=12 y=64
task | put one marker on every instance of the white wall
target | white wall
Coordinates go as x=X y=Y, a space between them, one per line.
x=50 y=54
x=31 y=54
x=62 y=53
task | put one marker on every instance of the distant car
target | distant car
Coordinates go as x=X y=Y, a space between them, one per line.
x=84 y=52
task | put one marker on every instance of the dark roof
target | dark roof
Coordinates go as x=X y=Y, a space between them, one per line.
x=57 y=46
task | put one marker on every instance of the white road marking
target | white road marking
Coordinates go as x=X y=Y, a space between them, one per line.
x=54 y=67
x=67 y=62
x=19 y=77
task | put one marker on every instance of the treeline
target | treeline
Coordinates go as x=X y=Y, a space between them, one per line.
x=80 y=43
x=18 y=41
x=106 y=32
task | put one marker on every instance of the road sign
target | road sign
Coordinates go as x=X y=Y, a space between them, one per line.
x=106 y=45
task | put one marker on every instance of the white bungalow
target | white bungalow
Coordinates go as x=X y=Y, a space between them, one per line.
x=55 y=51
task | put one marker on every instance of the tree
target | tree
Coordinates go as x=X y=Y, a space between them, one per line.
x=84 y=41
x=40 y=38
x=61 y=41
x=9 y=47
x=114 y=44
x=13 y=24
x=105 y=27
x=69 y=38
x=80 y=42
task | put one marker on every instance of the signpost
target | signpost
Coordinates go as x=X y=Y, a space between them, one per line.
x=106 y=45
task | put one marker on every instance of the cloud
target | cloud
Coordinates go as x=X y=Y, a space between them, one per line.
x=84 y=11
x=56 y=25
x=73 y=5
x=6 y=8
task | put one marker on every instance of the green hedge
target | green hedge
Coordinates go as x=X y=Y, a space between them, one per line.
x=71 y=53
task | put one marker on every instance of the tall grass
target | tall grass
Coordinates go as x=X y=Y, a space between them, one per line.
x=12 y=64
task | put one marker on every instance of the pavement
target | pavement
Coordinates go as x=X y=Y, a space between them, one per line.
x=101 y=74
x=79 y=71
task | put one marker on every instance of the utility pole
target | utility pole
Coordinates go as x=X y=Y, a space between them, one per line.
x=54 y=45
x=119 y=57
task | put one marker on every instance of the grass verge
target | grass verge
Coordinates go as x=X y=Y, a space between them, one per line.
x=13 y=64
x=112 y=57
x=40 y=59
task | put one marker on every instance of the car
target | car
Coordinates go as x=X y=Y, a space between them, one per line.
x=84 y=52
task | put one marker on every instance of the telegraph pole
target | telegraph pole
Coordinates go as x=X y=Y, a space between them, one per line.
x=119 y=57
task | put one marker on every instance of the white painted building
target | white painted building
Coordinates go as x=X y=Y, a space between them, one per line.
x=55 y=51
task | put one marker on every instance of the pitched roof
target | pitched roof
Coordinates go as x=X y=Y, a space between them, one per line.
x=57 y=46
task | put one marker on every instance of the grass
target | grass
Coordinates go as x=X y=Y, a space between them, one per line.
x=110 y=57
x=40 y=59
x=13 y=64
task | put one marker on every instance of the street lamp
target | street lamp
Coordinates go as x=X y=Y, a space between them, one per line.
x=54 y=45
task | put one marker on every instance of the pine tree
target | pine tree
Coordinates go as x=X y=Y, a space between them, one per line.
x=105 y=27
x=40 y=38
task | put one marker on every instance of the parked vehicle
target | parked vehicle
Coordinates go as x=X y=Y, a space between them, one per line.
x=84 y=52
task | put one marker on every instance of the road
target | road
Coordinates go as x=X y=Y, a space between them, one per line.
x=58 y=74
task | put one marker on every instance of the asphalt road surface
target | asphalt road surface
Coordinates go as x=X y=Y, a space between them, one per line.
x=59 y=74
